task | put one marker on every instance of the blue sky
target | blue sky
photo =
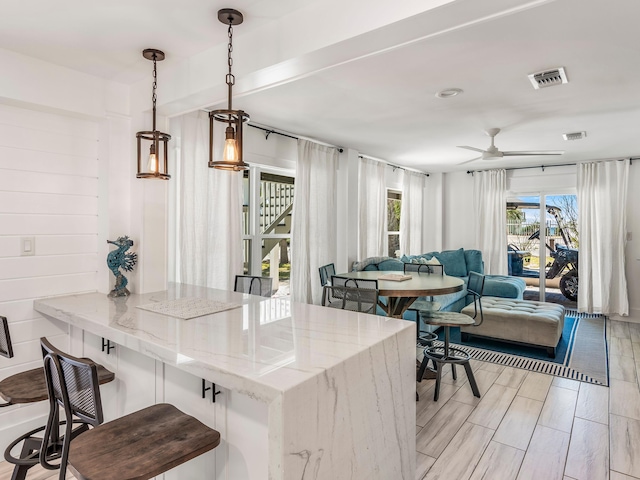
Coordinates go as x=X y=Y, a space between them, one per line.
x=534 y=214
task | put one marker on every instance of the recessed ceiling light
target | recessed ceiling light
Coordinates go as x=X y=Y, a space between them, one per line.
x=449 y=92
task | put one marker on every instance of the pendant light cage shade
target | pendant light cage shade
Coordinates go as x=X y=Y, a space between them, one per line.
x=232 y=150
x=152 y=145
x=231 y=160
x=152 y=155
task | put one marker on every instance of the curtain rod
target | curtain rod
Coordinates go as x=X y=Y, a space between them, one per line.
x=631 y=159
x=271 y=130
x=395 y=167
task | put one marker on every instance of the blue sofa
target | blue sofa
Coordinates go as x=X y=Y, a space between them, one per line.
x=456 y=263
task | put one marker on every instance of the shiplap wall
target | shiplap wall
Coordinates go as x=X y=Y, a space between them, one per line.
x=49 y=191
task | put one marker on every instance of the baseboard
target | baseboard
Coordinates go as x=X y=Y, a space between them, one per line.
x=634 y=316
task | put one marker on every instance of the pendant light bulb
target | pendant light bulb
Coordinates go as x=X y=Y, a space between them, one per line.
x=230 y=153
x=152 y=164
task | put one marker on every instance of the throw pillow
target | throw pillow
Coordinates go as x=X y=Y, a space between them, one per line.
x=474 y=261
x=454 y=262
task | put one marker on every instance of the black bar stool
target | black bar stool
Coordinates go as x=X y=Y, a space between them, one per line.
x=29 y=387
x=138 y=446
x=441 y=355
x=447 y=354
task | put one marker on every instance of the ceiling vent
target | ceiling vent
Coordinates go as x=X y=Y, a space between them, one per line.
x=574 y=135
x=548 y=78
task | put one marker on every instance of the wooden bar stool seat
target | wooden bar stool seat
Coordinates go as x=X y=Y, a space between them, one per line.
x=139 y=446
x=31 y=386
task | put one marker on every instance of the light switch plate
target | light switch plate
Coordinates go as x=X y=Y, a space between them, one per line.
x=27 y=246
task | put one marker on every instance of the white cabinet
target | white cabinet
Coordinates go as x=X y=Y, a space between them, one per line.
x=184 y=391
x=135 y=384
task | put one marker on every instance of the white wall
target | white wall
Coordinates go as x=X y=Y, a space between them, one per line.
x=459 y=223
x=62 y=133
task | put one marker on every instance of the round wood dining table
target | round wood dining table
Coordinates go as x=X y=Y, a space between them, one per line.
x=401 y=294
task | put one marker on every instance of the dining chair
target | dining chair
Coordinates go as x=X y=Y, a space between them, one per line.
x=24 y=388
x=424 y=268
x=446 y=354
x=339 y=281
x=363 y=300
x=253 y=285
x=326 y=272
x=137 y=446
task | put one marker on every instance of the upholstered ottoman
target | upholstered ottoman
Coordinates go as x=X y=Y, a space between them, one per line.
x=519 y=321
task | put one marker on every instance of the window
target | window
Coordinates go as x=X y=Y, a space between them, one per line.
x=267 y=226
x=394 y=200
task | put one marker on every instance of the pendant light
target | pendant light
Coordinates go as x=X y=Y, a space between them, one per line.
x=152 y=146
x=232 y=151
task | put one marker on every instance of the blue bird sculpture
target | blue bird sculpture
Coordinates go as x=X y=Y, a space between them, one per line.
x=119 y=259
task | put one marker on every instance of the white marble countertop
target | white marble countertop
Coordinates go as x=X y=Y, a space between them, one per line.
x=262 y=349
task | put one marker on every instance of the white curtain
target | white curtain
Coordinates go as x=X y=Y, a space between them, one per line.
x=602 y=200
x=314 y=224
x=372 y=209
x=208 y=208
x=490 y=202
x=411 y=215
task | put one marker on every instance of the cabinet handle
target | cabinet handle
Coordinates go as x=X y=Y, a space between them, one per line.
x=205 y=389
x=107 y=345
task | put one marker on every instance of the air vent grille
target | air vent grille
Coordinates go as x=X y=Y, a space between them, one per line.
x=574 y=135
x=548 y=78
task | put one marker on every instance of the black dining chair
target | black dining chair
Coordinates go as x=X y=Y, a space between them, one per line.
x=363 y=300
x=335 y=297
x=354 y=282
x=424 y=268
x=326 y=272
x=138 y=446
x=253 y=285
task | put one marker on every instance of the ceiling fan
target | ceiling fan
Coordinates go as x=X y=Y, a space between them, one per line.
x=492 y=153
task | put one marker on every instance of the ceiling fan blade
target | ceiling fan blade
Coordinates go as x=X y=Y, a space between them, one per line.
x=532 y=152
x=469 y=161
x=471 y=148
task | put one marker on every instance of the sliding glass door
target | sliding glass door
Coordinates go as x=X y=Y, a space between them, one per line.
x=268 y=203
x=542 y=234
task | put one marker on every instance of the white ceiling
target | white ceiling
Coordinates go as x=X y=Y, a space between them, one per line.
x=382 y=103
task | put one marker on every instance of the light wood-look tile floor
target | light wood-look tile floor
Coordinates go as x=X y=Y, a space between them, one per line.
x=531 y=426
x=526 y=426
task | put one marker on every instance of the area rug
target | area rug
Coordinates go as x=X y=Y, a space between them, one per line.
x=580 y=355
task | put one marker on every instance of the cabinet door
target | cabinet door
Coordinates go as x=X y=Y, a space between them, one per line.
x=92 y=348
x=134 y=385
x=184 y=391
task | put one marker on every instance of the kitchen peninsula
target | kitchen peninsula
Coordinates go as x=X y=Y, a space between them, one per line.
x=307 y=392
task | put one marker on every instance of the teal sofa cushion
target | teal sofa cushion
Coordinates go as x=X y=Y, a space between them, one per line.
x=503 y=286
x=474 y=262
x=389 y=264
x=453 y=261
